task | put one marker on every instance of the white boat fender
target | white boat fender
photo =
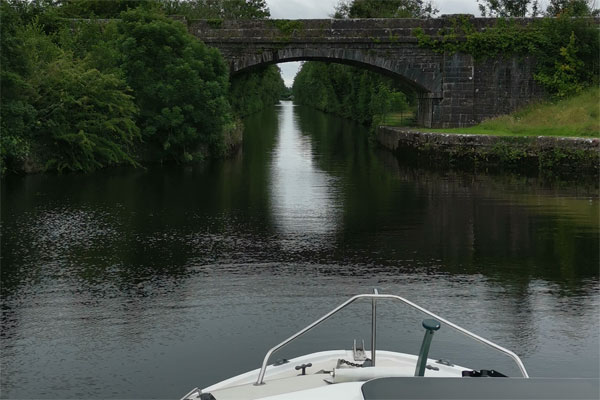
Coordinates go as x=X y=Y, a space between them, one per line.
x=364 y=374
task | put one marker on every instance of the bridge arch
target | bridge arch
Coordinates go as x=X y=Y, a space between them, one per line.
x=409 y=77
x=426 y=86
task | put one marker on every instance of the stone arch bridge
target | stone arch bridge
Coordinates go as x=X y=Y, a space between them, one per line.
x=454 y=90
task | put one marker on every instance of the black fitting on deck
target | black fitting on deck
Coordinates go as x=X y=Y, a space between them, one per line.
x=303 y=367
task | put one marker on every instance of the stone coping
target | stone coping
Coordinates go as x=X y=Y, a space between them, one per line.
x=403 y=136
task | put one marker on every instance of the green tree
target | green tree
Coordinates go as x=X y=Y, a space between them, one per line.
x=57 y=112
x=571 y=8
x=17 y=114
x=347 y=91
x=86 y=119
x=384 y=9
x=568 y=48
x=508 y=8
x=381 y=103
x=253 y=91
x=180 y=86
x=367 y=82
x=249 y=92
x=399 y=104
x=217 y=9
x=77 y=95
x=97 y=8
x=245 y=9
x=564 y=79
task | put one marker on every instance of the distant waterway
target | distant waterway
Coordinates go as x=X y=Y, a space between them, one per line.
x=147 y=283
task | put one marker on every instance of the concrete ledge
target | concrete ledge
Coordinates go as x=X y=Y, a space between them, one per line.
x=555 y=155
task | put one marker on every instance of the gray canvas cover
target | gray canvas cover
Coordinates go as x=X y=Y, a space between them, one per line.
x=481 y=388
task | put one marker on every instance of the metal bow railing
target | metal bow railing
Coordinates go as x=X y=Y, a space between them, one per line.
x=374 y=298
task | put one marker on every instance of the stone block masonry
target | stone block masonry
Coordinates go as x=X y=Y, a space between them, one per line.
x=556 y=155
x=454 y=90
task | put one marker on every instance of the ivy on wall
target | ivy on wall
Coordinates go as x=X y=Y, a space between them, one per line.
x=566 y=49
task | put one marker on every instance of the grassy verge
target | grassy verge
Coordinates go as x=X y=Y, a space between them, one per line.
x=578 y=116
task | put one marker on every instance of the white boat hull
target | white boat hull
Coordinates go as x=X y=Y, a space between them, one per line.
x=327 y=378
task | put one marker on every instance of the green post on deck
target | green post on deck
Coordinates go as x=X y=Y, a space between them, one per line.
x=430 y=325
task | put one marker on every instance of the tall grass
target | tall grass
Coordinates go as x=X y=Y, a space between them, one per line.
x=576 y=116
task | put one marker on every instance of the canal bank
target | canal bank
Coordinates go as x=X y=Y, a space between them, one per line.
x=546 y=154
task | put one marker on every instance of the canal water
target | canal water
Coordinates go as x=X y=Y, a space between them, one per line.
x=147 y=283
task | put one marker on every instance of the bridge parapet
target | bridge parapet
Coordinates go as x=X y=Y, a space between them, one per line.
x=381 y=30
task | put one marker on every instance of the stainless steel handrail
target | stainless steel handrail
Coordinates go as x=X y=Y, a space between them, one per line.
x=516 y=359
x=373 y=328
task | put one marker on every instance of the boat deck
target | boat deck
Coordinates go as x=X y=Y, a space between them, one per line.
x=298 y=386
x=326 y=378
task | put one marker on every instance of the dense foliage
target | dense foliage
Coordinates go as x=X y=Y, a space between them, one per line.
x=508 y=8
x=347 y=91
x=80 y=94
x=96 y=8
x=567 y=50
x=572 y=8
x=249 y=92
x=217 y=9
x=253 y=91
x=180 y=85
x=57 y=111
x=384 y=9
x=356 y=93
x=524 y=8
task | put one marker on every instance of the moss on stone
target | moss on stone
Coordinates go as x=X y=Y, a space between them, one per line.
x=287 y=27
x=553 y=157
x=215 y=23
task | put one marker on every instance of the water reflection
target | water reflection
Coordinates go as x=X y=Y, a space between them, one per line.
x=305 y=199
x=115 y=284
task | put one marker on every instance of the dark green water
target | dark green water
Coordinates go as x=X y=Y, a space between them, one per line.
x=145 y=284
